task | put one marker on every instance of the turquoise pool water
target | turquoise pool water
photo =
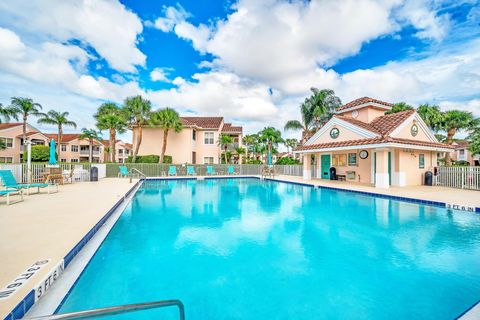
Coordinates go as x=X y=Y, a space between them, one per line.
x=251 y=249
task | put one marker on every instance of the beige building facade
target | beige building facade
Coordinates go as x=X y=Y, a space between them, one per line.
x=197 y=143
x=11 y=134
x=122 y=151
x=362 y=144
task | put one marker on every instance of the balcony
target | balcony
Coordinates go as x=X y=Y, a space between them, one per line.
x=87 y=152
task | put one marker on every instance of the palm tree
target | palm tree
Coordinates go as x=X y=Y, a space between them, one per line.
x=454 y=120
x=110 y=117
x=24 y=107
x=91 y=135
x=316 y=110
x=474 y=145
x=291 y=143
x=6 y=113
x=224 y=140
x=59 y=119
x=240 y=151
x=271 y=137
x=431 y=115
x=166 y=119
x=399 y=107
x=137 y=111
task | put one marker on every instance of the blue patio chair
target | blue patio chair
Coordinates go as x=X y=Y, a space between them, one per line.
x=9 y=182
x=210 y=170
x=191 y=171
x=7 y=193
x=172 y=171
x=123 y=172
x=230 y=170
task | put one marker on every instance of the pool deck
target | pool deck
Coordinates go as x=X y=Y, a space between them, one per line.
x=48 y=226
x=434 y=193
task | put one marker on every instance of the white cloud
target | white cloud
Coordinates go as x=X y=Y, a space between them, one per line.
x=107 y=26
x=11 y=46
x=172 y=16
x=160 y=74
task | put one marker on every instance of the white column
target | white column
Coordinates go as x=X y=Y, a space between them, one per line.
x=381 y=175
x=307 y=167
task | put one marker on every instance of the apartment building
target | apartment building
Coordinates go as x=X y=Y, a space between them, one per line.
x=73 y=149
x=11 y=134
x=197 y=143
x=462 y=153
x=122 y=151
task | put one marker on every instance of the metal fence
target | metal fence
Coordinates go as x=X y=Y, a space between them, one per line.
x=20 y=171
x=458 y=177
x=161 y=170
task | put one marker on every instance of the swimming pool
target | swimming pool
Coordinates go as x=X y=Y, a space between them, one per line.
x=252 y=249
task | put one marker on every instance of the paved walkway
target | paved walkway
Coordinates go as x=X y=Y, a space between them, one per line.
x=440 y=194
x=48 y=227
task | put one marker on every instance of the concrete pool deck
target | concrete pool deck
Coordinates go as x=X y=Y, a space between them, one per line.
x=49 y=226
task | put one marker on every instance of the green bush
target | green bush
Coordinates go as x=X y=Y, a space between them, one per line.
x=287 y=161
x=461 y=163
x=40 y=153
x=167 y=159
x=254 y=161
x=151 y=158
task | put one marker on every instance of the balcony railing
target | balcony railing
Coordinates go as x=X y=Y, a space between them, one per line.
x=87 y=152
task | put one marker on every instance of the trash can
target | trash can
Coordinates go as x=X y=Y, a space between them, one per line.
x=93 y=174
x=333 y=173
x=428 y=178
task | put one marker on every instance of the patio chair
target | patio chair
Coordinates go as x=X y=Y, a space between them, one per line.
x=230 y=170
x=68 y=176
x=7 y=193
x=210 y=170
x=191 y=171
x=10 y=182
x=123 y=172
x=172 y=171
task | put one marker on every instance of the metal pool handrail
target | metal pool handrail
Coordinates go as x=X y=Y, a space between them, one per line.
x=103 y=312
x=140 y=173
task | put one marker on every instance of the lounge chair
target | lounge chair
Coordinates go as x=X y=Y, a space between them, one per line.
x=172 y=171
x=230 y=170
x=7 y=193
x=68 y=176
x=210 y=170
x=9 y=182
x=123 y=172
x=191 y=171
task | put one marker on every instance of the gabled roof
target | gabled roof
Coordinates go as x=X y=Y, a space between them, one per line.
x=229 y=128
x=66 y=137
x=389 y=122
x=362 y=101
x=202 y=122
x=460 y=144
x=4 y=126
x=31 y=133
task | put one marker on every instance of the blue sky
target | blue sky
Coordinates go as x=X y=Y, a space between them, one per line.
x=250 y=61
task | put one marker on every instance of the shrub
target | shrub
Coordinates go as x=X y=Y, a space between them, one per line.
x=461 y=163
x=167 y=159
x=40 y=153
x=287 y=161
x=254 y=161
x=151 y=158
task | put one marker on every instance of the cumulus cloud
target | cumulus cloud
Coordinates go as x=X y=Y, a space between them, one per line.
x=160 y=74
x=106 y=26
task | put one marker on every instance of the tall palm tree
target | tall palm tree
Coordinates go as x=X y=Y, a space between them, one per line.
x=399 y=107
x=315 y=111
x=6 y=113
x=137 y=111
x=24 y=107
x=224 y=140
x=240 y=151
x=271 y=137
x=59 y=119
x=454 y=120
x=91 y=135
x=431 y=115
x=474 y=145
x=249 y=141
x=110 y=117
x=166 y=119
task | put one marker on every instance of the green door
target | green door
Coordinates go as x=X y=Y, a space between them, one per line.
x=325 y=160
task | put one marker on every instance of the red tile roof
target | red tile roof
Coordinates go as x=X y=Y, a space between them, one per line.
x=359 y=123
x=31 y=133
x=364 y=100
x=389 y=122
x=202 y=122
x=4 y=126
x=461 y=144
x=229 y=128
x=379 y=140
x=66 y=137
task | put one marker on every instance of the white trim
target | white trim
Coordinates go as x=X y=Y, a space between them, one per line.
x=363 y=105
x=415 y=116
x=382 y=180
x=378 y=145
x=347 y=125
x=372 y=166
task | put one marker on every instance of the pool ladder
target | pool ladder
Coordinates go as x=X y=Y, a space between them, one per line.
x=139 y=173
x=110 y=311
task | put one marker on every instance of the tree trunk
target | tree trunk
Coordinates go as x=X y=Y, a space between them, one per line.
x=90 y=154
x=225 y=153
x=450 y=134
x=113 y=139
x=164 y=146
x=24 y=135
x=137 y=142
x=269 y=156
x=59 y=139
